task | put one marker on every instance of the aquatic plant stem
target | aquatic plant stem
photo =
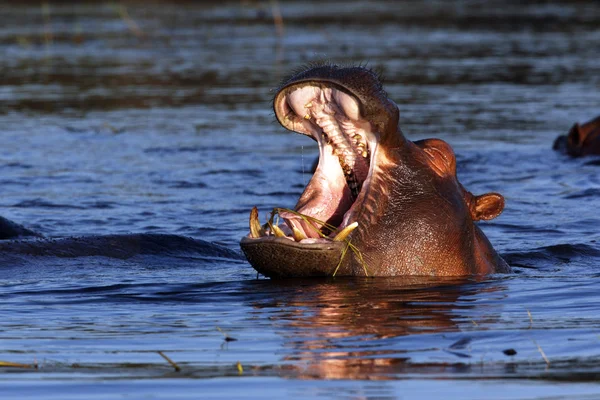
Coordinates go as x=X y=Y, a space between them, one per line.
x=173 y=364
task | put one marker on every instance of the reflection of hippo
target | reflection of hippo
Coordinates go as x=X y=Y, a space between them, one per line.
x=392 y=207
x=329 y=318
x=582 y=140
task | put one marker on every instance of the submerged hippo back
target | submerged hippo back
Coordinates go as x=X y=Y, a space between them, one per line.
x=10 y=230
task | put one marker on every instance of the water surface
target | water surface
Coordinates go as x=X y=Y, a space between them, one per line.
x=155 y=118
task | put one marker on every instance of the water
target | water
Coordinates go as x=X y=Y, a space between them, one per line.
x=156 y=119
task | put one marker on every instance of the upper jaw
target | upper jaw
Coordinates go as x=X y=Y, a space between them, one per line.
x=347 y=145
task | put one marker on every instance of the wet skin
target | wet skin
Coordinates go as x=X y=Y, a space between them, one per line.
x=582 y=140
x=10 y=230
x=399 y=203
x=121 y=246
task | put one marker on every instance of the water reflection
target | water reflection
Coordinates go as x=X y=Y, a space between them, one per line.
x=366 y=328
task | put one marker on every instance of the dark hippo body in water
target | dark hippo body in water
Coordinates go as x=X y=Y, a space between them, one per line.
x=122 y=246
x=9 y=230
x=582 y=140
x=377 y=204
x=116 y=246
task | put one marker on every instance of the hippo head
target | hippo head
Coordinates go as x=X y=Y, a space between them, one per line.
x=582 y=140
x=377 y=204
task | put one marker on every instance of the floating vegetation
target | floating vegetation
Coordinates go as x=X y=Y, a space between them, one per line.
x=17 y=365
x=173 y=363
x=131 y=24
x=227 y=337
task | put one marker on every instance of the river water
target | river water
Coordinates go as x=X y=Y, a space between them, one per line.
x=155 y=118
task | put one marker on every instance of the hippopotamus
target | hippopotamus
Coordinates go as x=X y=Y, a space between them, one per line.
x=10 y=230
x=378 y=204
x=582 y=140
x=118 y=246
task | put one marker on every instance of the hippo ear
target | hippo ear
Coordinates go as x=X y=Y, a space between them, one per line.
x=487 y=206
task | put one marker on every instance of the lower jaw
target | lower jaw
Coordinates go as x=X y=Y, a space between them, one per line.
x=281 y=258
x=296 y=227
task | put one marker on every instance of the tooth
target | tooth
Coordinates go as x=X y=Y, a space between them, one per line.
x=365 y=153
x=256 y=230
x=343 y=234
x=277 y=231
x=308 y=105
x=307 y=116
x=357 y=136
x=298 y=234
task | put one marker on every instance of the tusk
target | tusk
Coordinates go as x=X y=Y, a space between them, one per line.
x=277 y=231
x=256 y=230
x=298 y=234
x=343 y=234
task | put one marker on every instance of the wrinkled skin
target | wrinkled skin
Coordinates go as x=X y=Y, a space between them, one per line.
x=411 y=215
x=582 y=140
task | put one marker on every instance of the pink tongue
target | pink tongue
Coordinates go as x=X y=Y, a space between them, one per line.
x=308 y=228
x=324 y=200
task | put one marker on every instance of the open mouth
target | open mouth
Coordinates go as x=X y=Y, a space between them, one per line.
x=328 y=206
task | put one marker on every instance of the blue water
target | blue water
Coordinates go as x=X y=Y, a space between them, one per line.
x=156 y=119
